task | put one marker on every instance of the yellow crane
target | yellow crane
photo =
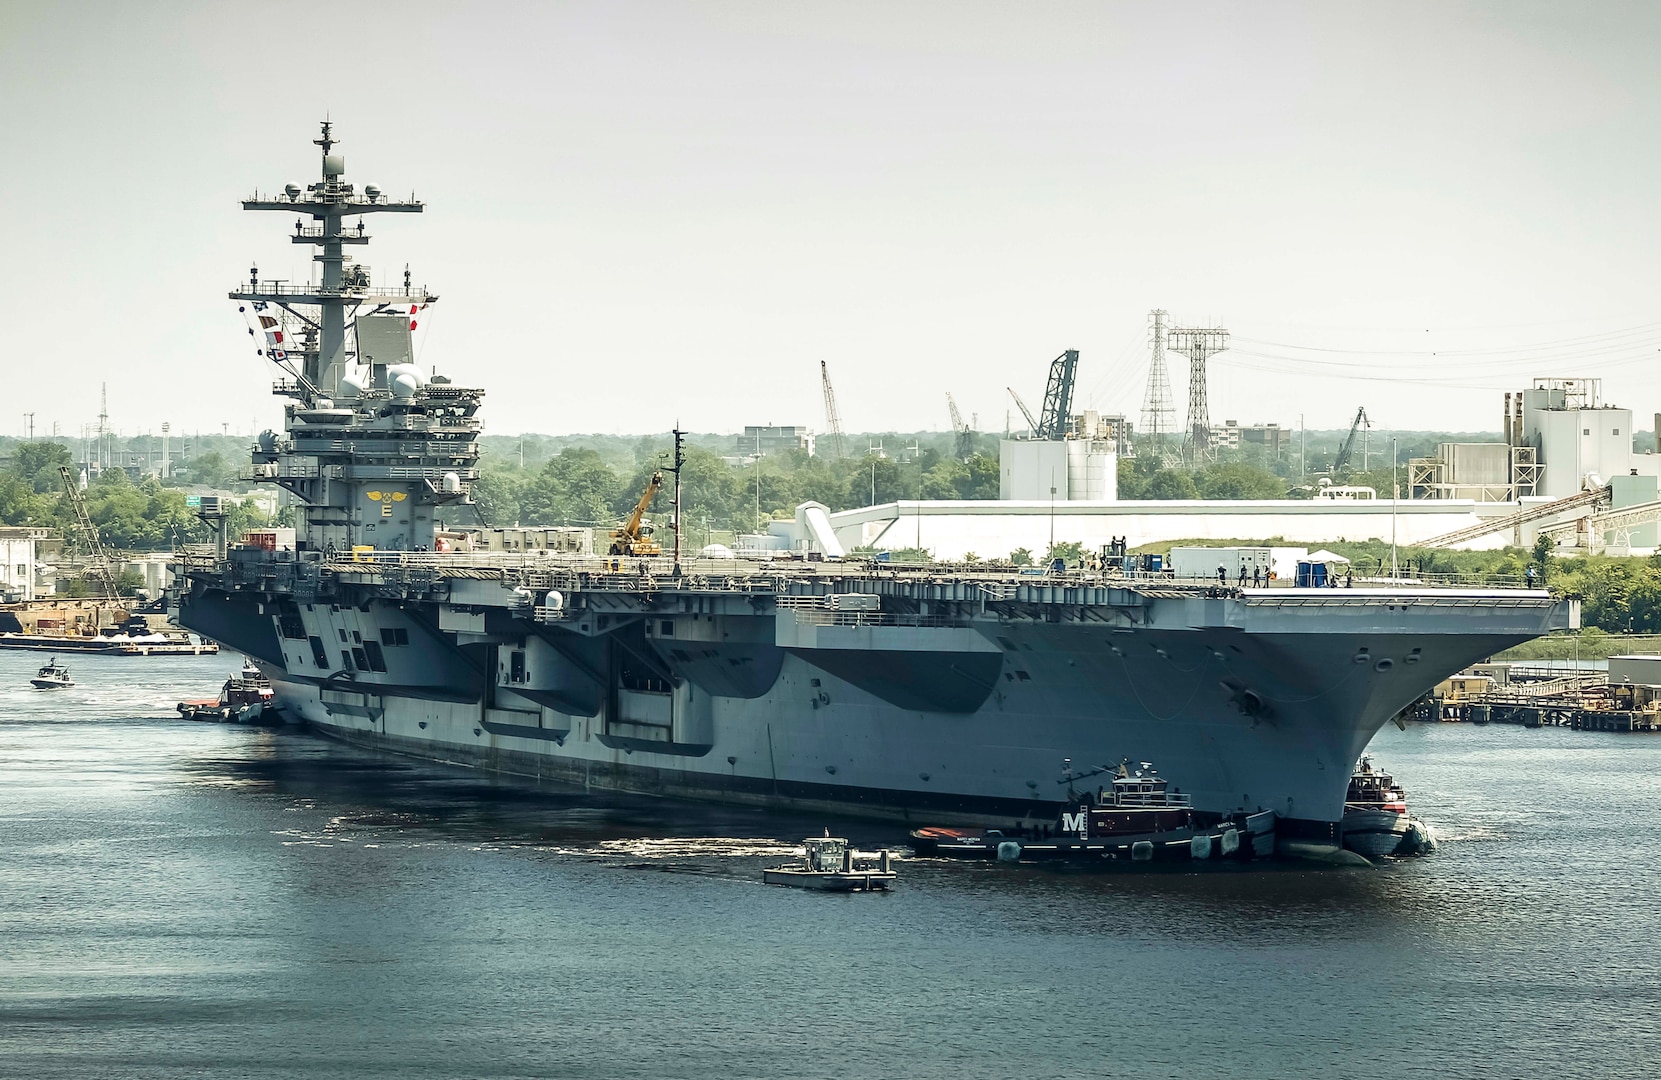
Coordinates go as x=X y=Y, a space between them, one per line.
x=634 y=536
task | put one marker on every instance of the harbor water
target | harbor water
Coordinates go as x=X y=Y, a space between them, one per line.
x=182 y=899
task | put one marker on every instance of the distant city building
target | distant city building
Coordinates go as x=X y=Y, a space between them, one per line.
x=761 y=440
x=1272 y=439
x=1104 y=427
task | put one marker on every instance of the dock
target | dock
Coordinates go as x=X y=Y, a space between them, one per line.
x=1583 y=702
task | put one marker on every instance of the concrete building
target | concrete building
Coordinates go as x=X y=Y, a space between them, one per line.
x=759 y=440
x=26 y=555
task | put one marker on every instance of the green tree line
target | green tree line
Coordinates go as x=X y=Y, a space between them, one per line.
x=129 y=516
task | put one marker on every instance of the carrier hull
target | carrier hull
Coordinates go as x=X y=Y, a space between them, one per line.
x=1248 y=702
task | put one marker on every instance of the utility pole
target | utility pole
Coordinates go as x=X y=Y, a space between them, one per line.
x=103 y=426
x=680 y=459
x=917 y=508
x=1395 y=491
x=1052 y=510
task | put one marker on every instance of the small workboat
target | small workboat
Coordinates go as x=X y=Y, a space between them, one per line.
x=54 y=676
x=829 y=864
x=1376 y=822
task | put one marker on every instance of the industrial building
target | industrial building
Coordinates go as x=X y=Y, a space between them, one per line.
x=1065 y=457
x=1566 y=465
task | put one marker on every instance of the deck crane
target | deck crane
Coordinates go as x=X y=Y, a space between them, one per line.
x=1032 y=424
x=1343 y=459
x=965 y=435
x=634 y=536
x=98 y=564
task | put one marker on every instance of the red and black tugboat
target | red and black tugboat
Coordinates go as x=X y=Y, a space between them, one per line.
x=246 y=698
x=1137 y=816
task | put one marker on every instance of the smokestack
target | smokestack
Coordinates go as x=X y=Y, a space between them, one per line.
x=1505 y=426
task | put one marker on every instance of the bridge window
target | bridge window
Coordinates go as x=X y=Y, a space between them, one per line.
x=394 y=635
x=346 y=660
x=319 y=655
x=363 y=661
x=377 y=661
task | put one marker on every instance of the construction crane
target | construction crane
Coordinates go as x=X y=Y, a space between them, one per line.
x=964 y=433
x=1348 y=450
x=833 y=423
x=634 y=536
x=1032 y=424
x=1057 y=413
x=98 y=565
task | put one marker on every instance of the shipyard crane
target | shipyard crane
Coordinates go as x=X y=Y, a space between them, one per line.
x=833 y=423
x=1032 y=424
x=1348 y=450
x=634 y=536
x=964 y=433
x=1057 y=413
x=98 y=565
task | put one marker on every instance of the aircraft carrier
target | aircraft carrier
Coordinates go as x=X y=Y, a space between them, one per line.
x=911 y=693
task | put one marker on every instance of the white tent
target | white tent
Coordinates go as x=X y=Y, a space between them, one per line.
x=1325 y=556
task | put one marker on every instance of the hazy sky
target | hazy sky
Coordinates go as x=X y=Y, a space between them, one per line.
x=644 y=212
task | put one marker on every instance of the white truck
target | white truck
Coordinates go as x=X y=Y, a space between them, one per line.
x=1202 y=562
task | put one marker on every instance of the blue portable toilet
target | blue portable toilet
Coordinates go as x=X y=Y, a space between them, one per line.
x=1311 y=575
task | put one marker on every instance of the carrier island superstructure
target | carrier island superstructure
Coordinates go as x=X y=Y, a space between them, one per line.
x=923 y=693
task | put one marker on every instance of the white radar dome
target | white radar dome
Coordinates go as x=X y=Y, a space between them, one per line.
x=405 y=386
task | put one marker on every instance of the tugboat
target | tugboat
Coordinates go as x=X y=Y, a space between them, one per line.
x=830 y=865
x=54 y=676
x=1137 y=817
x=1376 y=822
x=246 y=698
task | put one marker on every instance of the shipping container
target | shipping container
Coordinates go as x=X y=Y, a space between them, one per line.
x=1201 y=562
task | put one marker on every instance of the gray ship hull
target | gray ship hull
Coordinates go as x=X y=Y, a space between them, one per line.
x=1245 y=702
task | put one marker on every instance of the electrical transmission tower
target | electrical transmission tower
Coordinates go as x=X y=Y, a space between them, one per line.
x=1199 y=344
x=1159 y=412
x=833 y=423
